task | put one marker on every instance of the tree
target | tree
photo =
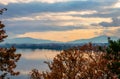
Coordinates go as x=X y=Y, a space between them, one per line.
x=85 y=62
x=8 y=58
x=113 y=55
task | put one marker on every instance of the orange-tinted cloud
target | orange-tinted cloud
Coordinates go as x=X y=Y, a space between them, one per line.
x=64 y=36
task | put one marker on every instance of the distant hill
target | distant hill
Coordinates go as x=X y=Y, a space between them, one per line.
x=99 y=39
x=27 y=40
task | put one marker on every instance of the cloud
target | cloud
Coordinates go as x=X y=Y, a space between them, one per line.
x=63 y=36
x=107 y=9
x=105 y=13
x=53 y=16
x=115 y=23
x=111 y=31
x=61 y=18
x=117 y=33
x=25 y=9
x=80 y=9
x=117 y=4
x=70 y=35
x=52 y=21
x=6 y=2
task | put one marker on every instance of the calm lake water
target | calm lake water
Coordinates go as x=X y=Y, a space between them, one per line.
x=33 y=59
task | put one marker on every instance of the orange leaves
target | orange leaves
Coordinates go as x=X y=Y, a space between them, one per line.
x=2 y=32
x=8 y=58
x=2 y=10
x=35 y=74
x=85 y=62
x=1 y=25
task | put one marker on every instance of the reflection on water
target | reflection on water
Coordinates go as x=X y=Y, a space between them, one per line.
x=39 y=54
x=32 y=59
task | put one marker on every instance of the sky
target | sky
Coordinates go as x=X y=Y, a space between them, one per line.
x=61 y=20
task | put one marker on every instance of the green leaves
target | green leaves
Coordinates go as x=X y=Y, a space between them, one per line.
x=113 y=55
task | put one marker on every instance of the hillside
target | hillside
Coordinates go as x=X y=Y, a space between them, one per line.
x=27 y=40
x=99 y=39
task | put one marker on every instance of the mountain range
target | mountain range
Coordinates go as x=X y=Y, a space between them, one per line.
x=27 y=40
x=99 y=39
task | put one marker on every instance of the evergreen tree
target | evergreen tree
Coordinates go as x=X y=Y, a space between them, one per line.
x=113 y=55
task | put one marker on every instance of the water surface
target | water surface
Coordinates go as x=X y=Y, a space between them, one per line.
x=34 y=59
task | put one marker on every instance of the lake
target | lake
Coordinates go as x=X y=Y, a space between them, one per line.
x=33 y=59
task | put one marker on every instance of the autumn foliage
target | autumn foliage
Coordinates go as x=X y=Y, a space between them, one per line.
x=85 y=62
x=8 y=58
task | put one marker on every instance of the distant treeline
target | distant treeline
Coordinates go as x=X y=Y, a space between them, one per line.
x=53 y=46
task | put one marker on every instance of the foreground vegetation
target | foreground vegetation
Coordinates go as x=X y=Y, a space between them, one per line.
x=85 y=62
x=8 y=58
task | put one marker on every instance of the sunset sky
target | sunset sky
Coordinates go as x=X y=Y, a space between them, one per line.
x=61 y=20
